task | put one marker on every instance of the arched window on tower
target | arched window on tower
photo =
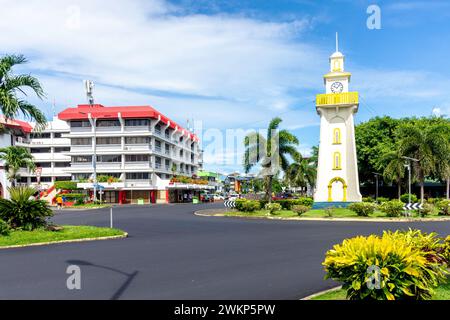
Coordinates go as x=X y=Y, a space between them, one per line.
x=337 y=136
x=337 y=161
x=336 y=65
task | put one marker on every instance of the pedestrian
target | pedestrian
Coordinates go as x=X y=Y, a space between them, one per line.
x=64 y=198
x=59 y=202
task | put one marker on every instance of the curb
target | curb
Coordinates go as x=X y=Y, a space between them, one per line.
x=321 y=293
x=125 y=235
x=198 y=213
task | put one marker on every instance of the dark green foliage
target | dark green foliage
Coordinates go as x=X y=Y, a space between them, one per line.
x=5 y=229
x=363 y=209
x=22 y=211
x=444 y=207
x=392 y=208
x=405 y=198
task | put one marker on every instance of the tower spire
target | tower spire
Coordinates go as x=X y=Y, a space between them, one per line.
x=337 y=42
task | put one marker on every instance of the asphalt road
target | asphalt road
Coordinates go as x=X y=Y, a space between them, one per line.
x=172 y=254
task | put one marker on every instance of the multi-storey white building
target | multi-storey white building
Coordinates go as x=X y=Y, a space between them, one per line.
x=137 y=146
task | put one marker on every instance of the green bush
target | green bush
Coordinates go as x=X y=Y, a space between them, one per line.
x=300 y=209
x=433 y=200
x=368 y=199
x=382 y=200
x=329 y=211
x=444 y=207
x=401 y=262
x=362 y=209
x=5 y=229
x=73 y=196
x=405 y=198
x=79 y=202
x=392 y=208
x=247 y=205
x=21 y=211
x=427 y=208
x=273 y=207
x=66 y=185
x=305 y=201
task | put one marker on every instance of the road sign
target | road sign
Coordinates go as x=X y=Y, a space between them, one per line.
x=412 y=206
x=229 y=204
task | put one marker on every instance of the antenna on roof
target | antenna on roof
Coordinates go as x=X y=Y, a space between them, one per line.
x=89 y=87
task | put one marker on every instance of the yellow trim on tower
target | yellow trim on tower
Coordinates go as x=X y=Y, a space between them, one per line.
x=337 y=161
x=337 y=136
x=344 y=187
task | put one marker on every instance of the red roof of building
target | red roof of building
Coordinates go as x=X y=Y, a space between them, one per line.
x=99 y=111
x=18 y=124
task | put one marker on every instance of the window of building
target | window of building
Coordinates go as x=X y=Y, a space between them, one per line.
x=41 y=150
x=137 y=122
x=82 y=159
x=337 y=161
x=158 y=129
x=62 y=149
x=59 y=134
x=137 y=140
x=79 y=124
x=108 y=123
x=63 y=178
x=137 y=158
x=40 y=135
x=46 y=179
x=137 y=175
x=43 y=164
x=167 y=133
x=81 y=141
x=61 y=164
x=337 y=136
x=109 y=174
x=109 y=158
x=109 y=140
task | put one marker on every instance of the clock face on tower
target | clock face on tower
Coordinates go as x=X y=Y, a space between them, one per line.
x=337 y=87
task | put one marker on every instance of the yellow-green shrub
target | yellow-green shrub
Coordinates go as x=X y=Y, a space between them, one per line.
x=363 y=209
x=405 y=271
x=247 y=205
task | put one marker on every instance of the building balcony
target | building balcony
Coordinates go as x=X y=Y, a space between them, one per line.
x=333 y=99
x=138 y=165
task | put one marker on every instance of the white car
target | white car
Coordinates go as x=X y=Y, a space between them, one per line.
x=233 y=197
x=218 y=197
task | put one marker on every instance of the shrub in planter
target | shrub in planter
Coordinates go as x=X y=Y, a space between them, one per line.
x=444 y=207
x=22 y=211
x=447 y=250
x=285 y=204
x=5 y=229
x=66 y=185
x=427 y=208
x=382 y=200
x=305 y=201
x=329 y=211
x=368 y=199
x=300 y=209
x=272 y=207
x=362 y=209
x=402 y=268
x=247 y=205
x=392 y=208
x=405 y=198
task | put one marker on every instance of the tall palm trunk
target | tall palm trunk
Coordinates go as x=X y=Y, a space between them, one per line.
x=448 y=188
x=422 y=187
x=269 y=188
x=399 y=189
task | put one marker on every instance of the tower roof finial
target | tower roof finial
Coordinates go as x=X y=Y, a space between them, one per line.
x=337 y=42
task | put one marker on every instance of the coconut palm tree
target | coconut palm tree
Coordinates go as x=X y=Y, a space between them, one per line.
x=16 y=158
x=12 y=86
x=301 y=173
x=270 y=152
x=392 y=163
x=426 y=142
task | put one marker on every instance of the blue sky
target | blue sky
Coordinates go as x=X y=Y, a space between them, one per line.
x=234 y=64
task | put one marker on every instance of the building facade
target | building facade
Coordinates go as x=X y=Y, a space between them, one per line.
x=137 y=149
x=337 y=172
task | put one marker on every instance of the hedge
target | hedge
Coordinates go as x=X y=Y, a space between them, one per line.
x=66 y=185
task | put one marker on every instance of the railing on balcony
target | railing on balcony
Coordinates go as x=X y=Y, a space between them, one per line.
x=345 y=98
x=157 y=149
x=22 y=140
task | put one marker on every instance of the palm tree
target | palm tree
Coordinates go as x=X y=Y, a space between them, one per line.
x=425 y=142
x=16 y=158
x=270 y=152
x=301 y=173
x=392 y=163
x=12 y=85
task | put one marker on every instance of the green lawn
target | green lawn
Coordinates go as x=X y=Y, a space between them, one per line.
x=68 y=233
x=317 y=213
x=441 y=293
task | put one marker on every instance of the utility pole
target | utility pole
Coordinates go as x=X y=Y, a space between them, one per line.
x=408 y=165
x=376 y=184
x=89 y=87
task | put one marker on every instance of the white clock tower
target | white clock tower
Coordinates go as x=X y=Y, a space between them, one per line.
x=337 y=172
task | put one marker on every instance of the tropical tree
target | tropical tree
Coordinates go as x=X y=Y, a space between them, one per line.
x=15 y=158
x=12 y=86
x=301 y=173
x=392 y=163
x=425 y=142
x=270 y=152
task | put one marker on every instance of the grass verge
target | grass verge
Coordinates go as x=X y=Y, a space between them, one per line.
x=320 y=213
x=441 y=293
x=19 y=237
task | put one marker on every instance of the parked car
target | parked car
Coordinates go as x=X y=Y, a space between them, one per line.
x=219 y=197
x=233 y=197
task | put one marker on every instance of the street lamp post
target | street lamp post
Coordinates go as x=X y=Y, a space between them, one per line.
x=376 y=186
x=408 y=165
